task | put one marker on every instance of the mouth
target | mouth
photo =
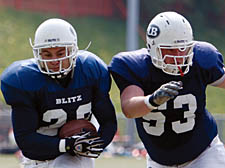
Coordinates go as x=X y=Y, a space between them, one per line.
x=55 y=69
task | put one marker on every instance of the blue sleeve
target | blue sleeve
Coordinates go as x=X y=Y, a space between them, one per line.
x=127 y=69
x=211 y=62
x=33 y=145
x=103 y=108
x=120 y=81
x=25 y=123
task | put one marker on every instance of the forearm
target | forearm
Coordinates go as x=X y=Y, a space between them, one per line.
x=135 y=104
x=135 y=107
x=107 y=131
x=39 y=147
x=34 y=145
x=105 y=114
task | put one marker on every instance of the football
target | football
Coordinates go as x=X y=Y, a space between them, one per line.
x=75 y=127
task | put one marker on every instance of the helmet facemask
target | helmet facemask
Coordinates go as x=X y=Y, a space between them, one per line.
x=70 y=54
x=175 y=68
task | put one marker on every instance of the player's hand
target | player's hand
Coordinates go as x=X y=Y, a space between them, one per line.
x=85 y=144
x=165 y=92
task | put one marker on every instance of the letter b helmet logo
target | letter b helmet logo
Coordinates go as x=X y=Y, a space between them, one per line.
x=153 y=31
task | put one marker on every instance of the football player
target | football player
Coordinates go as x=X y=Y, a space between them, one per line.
x=163 y=87
x=61 y=83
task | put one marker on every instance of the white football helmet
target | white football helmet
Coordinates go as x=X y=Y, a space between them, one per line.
x=55 y=33
x=170 y=30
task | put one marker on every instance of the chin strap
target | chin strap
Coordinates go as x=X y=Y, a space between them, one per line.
x=181 y=72
x=59 y=76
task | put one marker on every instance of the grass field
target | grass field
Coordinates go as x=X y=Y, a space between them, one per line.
x=10 y=161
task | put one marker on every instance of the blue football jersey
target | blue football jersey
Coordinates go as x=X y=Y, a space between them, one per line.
x=40 y=105
x=180 y=129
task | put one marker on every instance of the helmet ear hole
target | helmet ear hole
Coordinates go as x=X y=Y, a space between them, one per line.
x=182 y=49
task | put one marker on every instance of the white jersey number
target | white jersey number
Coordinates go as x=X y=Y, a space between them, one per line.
x=61 y=116
x=177 y=126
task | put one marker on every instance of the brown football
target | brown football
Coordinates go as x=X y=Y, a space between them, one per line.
x=75 y=127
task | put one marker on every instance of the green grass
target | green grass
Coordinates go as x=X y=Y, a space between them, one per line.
x=215 y=100
x=10 y=161
x=107 y=35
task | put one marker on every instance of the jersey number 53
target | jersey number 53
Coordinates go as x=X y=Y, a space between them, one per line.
x=177 y=126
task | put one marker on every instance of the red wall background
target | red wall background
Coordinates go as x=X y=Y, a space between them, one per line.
x=105 y=8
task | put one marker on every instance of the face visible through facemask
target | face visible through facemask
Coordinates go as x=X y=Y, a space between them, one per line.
x=175 y=59
x=52 y=54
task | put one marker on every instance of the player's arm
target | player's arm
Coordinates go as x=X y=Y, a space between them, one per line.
x=212 y=66
x=25 y=120
x=131 y=97
x=34 y=145
x=221 y=82
x=133 y=102
x=103 y=108
x=105 y=114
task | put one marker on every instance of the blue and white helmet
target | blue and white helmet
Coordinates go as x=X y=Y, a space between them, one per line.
x=170 y=30
x=55 y=33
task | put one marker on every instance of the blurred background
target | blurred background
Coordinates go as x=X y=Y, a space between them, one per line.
x=112 y=26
